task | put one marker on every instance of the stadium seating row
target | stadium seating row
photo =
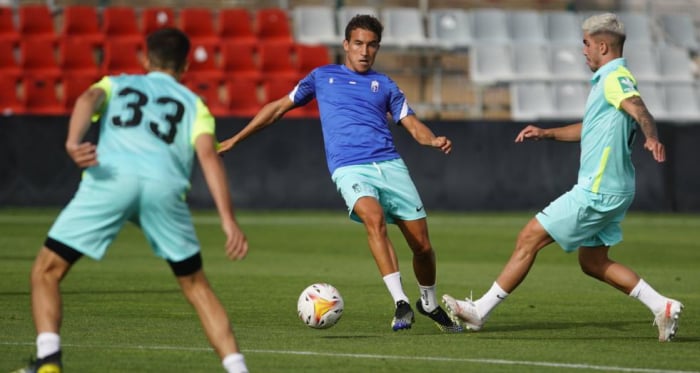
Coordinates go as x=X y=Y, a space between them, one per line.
x=667 y=101
x=459 y=28
x=94 y=25
x=235 y=96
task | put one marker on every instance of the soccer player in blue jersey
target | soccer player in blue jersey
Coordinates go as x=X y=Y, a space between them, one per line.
x=150 y=128
x=588 y=217
x=354 y=101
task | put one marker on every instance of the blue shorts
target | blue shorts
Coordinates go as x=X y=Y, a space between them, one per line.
x=388 y=182
x=104 y=203
x=581 y=218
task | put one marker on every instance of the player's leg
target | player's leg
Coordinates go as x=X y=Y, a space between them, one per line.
x=595 y=262
x=371 y=213
x=51 y=265
x=531 y=239
x=424 y=266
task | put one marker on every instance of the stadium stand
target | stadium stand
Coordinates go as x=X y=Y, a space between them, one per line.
x=403 y=28
x=457 y=60
x=77 y=58
x=238 y=59
x=450 y=29
x=156 y=17
x=272 y=24
x=121 y=56
x=38 y=58
x=73 y=86
x=36 y=21
x=82 y=22
x=315 y=25
x=41 y=96
x=235 y=24
x=208 y=89
x=8 y=29
x=120 y=22
x=203 y=62
x=242 y=96
x=198 y=23
x=10 y=102
x=532 y=101
x=8 y=63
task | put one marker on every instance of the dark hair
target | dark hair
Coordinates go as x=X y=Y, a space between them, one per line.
x=167 y=48
x=365 y=22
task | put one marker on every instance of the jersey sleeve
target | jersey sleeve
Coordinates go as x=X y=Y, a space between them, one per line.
x=398 y=104
x=305 y=90
x=620 y=85
x=106 y=85
x=203 y=121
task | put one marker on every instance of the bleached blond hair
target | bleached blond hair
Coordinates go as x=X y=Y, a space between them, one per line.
x=606 y=22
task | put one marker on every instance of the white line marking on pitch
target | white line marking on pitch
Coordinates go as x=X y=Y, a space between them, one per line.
x=383 y=357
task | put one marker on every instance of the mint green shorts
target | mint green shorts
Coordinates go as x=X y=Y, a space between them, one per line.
x=105 y=202
x=388 y=182
x=581 y=218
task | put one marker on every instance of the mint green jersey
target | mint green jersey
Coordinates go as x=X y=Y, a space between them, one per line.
x=608 y=132
x=148 y=125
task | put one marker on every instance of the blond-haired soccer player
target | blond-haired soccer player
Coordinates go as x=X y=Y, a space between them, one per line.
x=588 y=217
x=151 y=126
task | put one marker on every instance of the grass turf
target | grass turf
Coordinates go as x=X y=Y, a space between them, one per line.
x=126 y=313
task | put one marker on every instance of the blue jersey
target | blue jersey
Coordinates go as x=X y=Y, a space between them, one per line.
x=607 y=132
x=354 y=109
x=148 y=127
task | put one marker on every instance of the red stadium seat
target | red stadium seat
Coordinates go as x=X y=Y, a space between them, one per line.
x=275 y=88
x=154 y=18
x=238 y=59
x=77 y=58
x=8 y=30
x=198 y=24
x=41 y=98
x=272 y=24
x=276 y=59
x=81 y=21
x=120 y=22
x=203 y=62
x=208 y=90
x=73 y=87
x=10 y=103
x=36 y=21
x=37 y=58
x=309 y=57
x=235 y=24
x=121 y=56
x=8 y=64
x=242 y=92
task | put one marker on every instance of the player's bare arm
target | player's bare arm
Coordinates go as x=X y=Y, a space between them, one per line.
x=424 y=136
x=83 y=153
x=568 y=133
x=635 y=107
x=215 y=176
x=269 y=114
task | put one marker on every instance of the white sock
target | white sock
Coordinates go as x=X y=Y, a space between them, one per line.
x=490 y=300
x=393 y=283
x=234 y=363
x=47 y=344
x=428 y=298
x=649 y=297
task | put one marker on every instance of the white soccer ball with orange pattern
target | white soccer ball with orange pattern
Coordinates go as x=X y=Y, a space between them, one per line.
x=320 y=306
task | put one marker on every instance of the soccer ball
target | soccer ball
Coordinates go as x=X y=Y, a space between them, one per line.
x=320 y=306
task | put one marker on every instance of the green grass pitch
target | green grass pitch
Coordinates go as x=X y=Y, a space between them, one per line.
x=126 y=314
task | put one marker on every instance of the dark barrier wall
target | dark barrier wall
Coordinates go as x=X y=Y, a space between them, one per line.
x=283 y=167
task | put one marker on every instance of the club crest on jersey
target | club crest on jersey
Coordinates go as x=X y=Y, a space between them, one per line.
x=626 y=84
x=375 y=86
